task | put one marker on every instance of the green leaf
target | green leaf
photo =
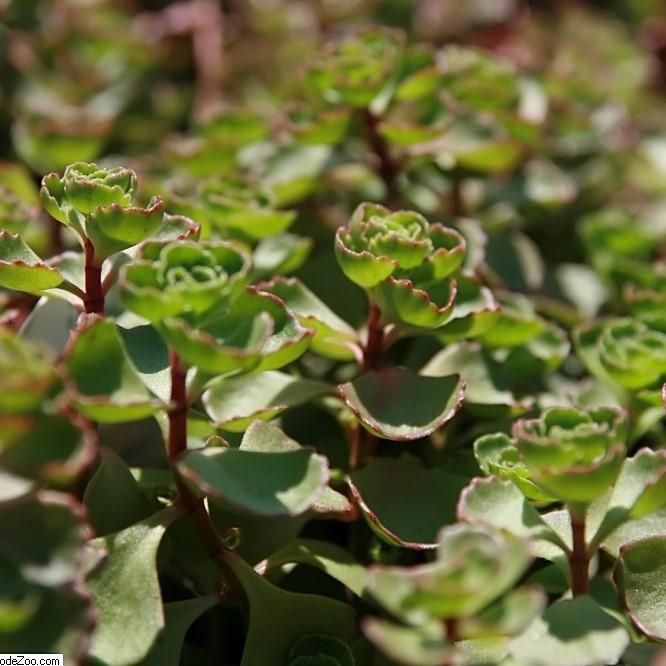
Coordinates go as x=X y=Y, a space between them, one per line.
x=486 y=384
x=322 y=128
x=47 y=447
x=267 y=476
x=576 y=632
x=106 y=387
x=295 y=171
x=517 y=323
x=280 y=255
x=278 y=619
x=362 y=268
x=633 y=530
x=126 y=585
x=27 y=375
x=178 y=618
x=640 y=490
x=575 y=455
x=320 y=649
x=234 y=403
x=509 y=616
x=183 y=278
x=330 y=558
x=412 y=646
x=401 y=405
x=43 y=602
x=413 y=487
x=475 y=311
x=627 y=352
x=497 y=455
x=640 y=573
x=403 y=302
x=475 y=566
x=113 y=479
x=48 y=552
x=240 y=207
x=491 y=501
x=333 y=337
x=21 y=269
x=115 y=228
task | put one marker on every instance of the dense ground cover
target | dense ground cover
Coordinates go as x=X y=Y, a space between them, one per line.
x=333 y=333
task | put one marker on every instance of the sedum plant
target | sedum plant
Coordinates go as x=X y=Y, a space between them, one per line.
x=349 y=349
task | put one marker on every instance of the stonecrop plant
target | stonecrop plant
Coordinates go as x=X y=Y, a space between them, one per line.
x=333 y=334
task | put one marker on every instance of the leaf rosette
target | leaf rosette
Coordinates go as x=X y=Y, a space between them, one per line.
x=406 y=262
x=355 y=70
x=252 y=332
x=243 y=208
x=469 y=583
x=574 y=455
x=629 y=352
x=183 y=278
x=99 y=204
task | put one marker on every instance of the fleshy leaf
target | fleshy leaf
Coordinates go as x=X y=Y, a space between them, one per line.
x=126 y=585
x=46 y=447
x=333 y=337
x=497 y=455
x=115 y=228
x=640 y=574
x=475 y=566
x=178 y=618
x=330 y=558
x=278 y=618
x=509 y=616
x=44 y=603
x=402 y=302
x=106 y=387
x=391 y=515
x=113 y=479
x=21 y=269
x=412 y=646
x=234 y=403
x=401 y=405
x=572 y=631
x=263 y=477
x=475 y=311
x=640 y=490
x=486 y=385
x=491 y=501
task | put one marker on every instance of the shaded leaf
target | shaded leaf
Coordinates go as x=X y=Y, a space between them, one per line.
x=401 y=405
x=328 y=557
x=234 y=403
x=572 y=631
x=126 y=586
x=640 y=574
x=21 y=269
x=391 y=514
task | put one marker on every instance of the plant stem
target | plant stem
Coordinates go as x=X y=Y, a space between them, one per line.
x=365 y=445
x=176 y=446
x=456 y=205
x=387 y=168
x=579 y=560
x=452 y=634
x=94 y=298
x=177 y=440
x=374 y=347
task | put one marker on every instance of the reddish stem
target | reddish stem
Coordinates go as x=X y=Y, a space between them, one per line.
x=579 y=559
x=388 y=169
x=374 y=347
x=94 y=298
x=177 y=440
x=176 y=446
